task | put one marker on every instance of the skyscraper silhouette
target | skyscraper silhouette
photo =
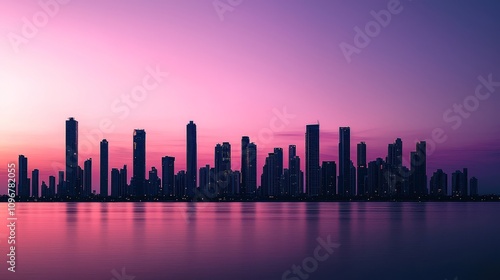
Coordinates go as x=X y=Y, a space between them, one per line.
x=345 y=188
x=294 y=172
x=235 y=182
x=439 y=183
x=72 y=157
x=153 y=185
x=418 y=181
x=459 y=182
x=52 y=186
x=245 y=140
x=139 y=162
x=45 y=189
x=312 y=160
x=124 y=190
x=22 y=181
x=191 y=156
x=168 y=175
x=87 y=177
x=222 y=167
x=104 y=168
x=35 y=182
x=180 y=184
x=251 y=169
x=267 y=182
x=278 y=171
x=204 y=179
x=328 y=178
x=362 y=168
x=115 y=182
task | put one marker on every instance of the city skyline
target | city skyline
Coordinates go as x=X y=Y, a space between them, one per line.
x=383 y=177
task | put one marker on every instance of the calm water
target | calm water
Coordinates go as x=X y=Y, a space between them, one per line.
x=254 y=240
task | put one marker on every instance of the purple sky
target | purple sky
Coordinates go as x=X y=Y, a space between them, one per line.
x=230 y=76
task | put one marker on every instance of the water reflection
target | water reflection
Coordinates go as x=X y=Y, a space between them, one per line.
x=258 y=240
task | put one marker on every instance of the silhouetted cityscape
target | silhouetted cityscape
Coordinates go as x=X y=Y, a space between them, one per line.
x=380 y=178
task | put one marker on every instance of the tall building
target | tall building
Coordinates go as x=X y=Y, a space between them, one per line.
x=35 y=182
x=267 y=187
x=459 y=183
x=235 y=182
x=204 y=179
x=168 y=175
x=395 y=153
x=474 y=191
x=124 y=190
x=71 y=157
x=87 y=177
x=139 y=163
x=352 y=178
x=312 y=160
x=345 y=188
x=418 y=180
x=272 y=174
x=328 y=178
x=278 y=171
x=180 y=184
x=362 y=168
x=222 y=167
x=439 y=183
x=22 y=181
x=245 y=140
x=294 y=185
x=192 y=160
x=52 y=186
x=251 y=169
x=292 y=152
x=115 y=182
x=104 y=168
x=465 y=182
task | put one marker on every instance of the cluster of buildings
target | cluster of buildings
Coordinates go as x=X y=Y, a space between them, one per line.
x=379 y=178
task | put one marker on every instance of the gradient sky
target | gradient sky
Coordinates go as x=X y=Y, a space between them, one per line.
x=230 y=75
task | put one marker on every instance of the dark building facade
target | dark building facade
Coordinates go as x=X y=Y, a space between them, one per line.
x=115 y=183
x=474 y=189
x=312 y=160
x=418 y=180
x=168 y=175
x=439 y=183
x=362 y=169
x=251 y=170
x=104 y=168
x=191 y=158
x=72 y=157
x=87 y=177
x=23 y=189
x=139 y=163
x=245 y=140
x=328 y=178
x=35 y=183
x=345 y=188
